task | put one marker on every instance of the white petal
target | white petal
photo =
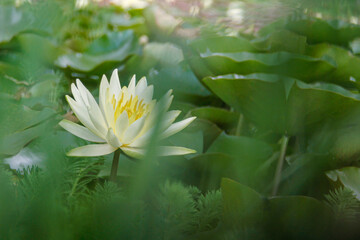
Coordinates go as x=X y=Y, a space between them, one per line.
x=76 y=94
x=131 y=86
x=134 y=152
x=172 y=150
x=115 y=86
x=133 y=130
x=83 y=91
x=80 y=131
x=112 y=139
x=83 y=115
x=104 y=85
x=147 y=94
x=109 y=110
x=169 y=118
x=166 y=100
x=143 y=139
x=98 y=125
x=96 y=112
x=122 y=124
x=92 y=150
x=140 y=86
x=177 y=127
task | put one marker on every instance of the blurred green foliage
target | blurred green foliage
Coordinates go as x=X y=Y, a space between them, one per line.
x=274 y=70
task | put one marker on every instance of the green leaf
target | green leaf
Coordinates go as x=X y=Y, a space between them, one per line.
x=300 y=66
x=206 y=170
x=189 y=139
x=297 y=217
x=12 y=22
x=317 y=31
x=165 y=54
x=38 y=47
x=281 y=40
x=179 y=78
x=281 y=104
x=19 y=125
x=248 y=159
x=114 y=47
x=225 y=119
x=222 y=44
x=45 y=18
x=349 y=177
x=346 y=72
x=241 y=148
x=210 y=131
x=242 y=205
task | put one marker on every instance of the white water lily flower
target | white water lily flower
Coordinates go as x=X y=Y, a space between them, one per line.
x=125 y=118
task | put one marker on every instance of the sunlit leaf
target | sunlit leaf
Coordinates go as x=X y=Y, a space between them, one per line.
x=111 y=48
x=282 y=104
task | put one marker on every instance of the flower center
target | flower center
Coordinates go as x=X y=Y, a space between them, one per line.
x=134 y=108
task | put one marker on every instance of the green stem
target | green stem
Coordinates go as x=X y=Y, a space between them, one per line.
x=114 y=166
x=239 y=125
x=277 y=177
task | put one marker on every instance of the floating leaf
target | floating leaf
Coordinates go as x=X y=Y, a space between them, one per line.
x=281 y=104
x=45 y=18
x=222 y=117
x=298 y=217
x=241 y=148
x=294 y=65
x=222 y=44
x=179 y=78
x=19 y=125
x=242 y=205
x=317 y=31
x=113 y=47
x=280 y=40
x=165 y=54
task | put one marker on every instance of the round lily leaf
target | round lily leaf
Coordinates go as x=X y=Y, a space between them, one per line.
x=113 y=47
x=222 y=44
x=225 y=119
x=298 y=217
x=242 y=205
x=281 y=40
x=346 y=72
x=299 y=66
x=248 y=156
x=241 y=148
x=280 y=104
x=19 y=125
x=317 y=31
x=45 y=18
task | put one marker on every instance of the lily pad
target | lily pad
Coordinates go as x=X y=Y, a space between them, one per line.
x=43 y=19
x=242 y=205
x=332 y=31
x=347 y=64
x=298 y=217
x=19 y=125
x=288 y=217
x=114 y=47
x=280 y=104
x=300 y=66
x=222 y=44
x=220 y=116
x=241 y=148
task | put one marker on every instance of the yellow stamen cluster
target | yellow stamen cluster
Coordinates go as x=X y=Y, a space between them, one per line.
x=134 y=108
